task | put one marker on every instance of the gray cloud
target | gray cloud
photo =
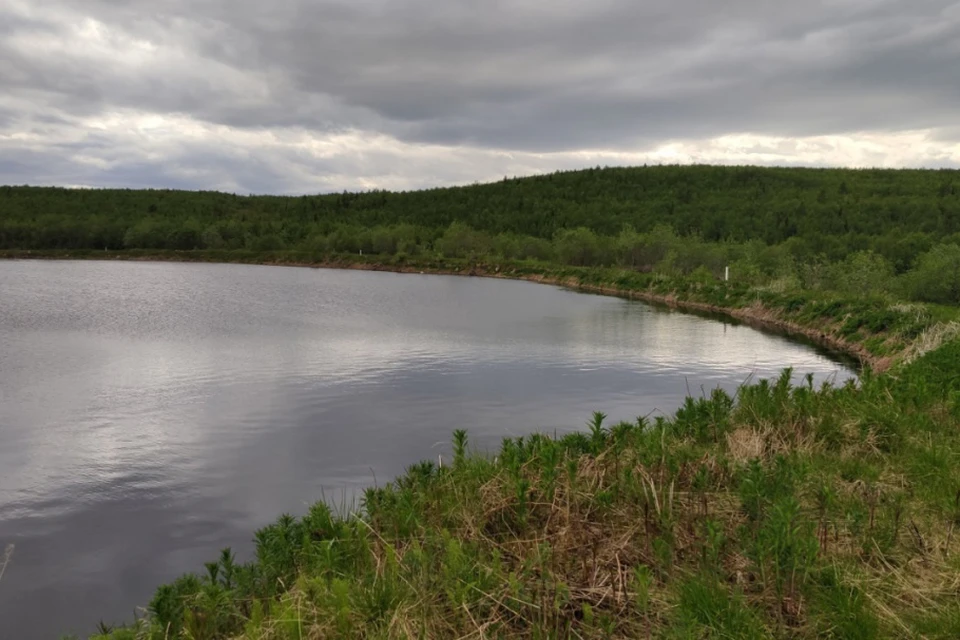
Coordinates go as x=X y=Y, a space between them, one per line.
x=525 y=76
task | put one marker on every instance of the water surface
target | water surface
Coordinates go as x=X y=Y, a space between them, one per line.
x=152 y=413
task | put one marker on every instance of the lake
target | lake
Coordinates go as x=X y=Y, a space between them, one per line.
x=153 y=413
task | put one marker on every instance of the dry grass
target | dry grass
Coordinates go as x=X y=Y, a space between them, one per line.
x=931 y=340
x=746 y=444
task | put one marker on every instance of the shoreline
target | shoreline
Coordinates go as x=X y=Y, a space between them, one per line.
x=756 y=316
x=622 y=492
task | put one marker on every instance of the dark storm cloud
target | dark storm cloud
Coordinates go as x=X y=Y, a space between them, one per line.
x=521 y=75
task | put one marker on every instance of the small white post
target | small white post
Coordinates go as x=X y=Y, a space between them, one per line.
x=361 y=251
x=726 y=274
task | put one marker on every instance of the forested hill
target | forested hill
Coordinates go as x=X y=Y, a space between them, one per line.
x=835 y=209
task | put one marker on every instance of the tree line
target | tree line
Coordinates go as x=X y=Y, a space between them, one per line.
x=862 y=230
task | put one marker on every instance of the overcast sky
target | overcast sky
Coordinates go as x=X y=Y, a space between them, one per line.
x=299 y=96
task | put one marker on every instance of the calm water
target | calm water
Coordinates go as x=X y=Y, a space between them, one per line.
x=153 y=413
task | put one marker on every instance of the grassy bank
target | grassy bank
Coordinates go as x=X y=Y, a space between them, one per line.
x=787 y=512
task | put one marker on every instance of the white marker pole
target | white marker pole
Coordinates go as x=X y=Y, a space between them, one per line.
x=726 y=274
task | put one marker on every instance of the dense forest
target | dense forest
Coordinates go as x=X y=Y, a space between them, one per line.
x=836 y=228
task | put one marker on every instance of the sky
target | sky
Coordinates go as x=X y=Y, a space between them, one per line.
x=298 y=96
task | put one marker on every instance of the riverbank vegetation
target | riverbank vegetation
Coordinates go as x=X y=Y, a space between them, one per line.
x=785 y=511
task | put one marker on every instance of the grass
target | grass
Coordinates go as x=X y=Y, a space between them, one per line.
x=784 y=511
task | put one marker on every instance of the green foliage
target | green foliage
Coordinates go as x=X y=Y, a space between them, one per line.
x=579 y=247
x=705 y=419
x=842 y=610
x=864 y=273
x=936 y=277
x=461 y=241
x=708 y=610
